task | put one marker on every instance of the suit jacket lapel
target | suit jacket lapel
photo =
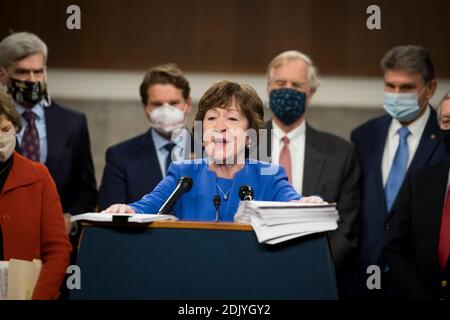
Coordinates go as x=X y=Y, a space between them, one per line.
x=314 y=158
x=436 y=193
x=53 y=135
x=428 y=143
x=378 y=151
x=149 y=149
x=269 y=128
x=314 y=162
x=22 y=173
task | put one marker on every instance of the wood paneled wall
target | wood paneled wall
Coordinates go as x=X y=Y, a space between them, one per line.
x=231 y=35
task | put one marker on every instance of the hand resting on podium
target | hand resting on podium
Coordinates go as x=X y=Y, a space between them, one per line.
x=119 y=208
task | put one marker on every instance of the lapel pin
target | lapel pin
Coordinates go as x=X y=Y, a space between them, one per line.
x=433 y=136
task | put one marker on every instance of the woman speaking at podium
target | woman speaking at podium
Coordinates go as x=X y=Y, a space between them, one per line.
x=231 y=115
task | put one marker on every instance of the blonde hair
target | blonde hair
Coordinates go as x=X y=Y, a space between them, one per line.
x=445 y=97
x=293 y=55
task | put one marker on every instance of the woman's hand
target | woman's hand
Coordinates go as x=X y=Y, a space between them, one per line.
x=119 y=208
x=312 y=199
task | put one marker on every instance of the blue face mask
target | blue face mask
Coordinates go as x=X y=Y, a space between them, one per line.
x=287 y=104
x=402 y=106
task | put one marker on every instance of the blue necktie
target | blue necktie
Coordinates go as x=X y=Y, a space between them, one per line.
x=398 y=169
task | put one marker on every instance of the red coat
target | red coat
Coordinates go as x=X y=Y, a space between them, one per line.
x=32 y=223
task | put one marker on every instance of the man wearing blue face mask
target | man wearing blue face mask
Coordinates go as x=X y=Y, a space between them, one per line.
x=134 y=167
x=317 y=163
x=391 y=146
x=421 y=228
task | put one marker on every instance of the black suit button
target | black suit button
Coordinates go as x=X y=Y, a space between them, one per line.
x=387 y=226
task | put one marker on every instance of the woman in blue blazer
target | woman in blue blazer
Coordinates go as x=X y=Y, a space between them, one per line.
x=230 y=113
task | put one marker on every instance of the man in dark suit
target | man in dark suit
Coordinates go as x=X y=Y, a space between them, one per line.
x=418 y=244
x=51 y=134
x=134 y=167
x=317 y=163
x=388 y=147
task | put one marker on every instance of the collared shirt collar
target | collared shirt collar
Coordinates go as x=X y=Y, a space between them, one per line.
x=416 y=128
x=38 y=109
x=292 y=135
x=160 y=141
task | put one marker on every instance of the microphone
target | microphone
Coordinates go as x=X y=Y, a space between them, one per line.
x=246 y=193
x=216 y=201
x=183 y=185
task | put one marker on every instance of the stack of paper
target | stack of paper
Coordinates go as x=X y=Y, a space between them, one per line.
x=275 y=222
x=4 y=279
x=18 y=278
x=109 y=217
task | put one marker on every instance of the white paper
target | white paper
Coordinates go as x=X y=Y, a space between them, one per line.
x=108 y=217
x=275 y=222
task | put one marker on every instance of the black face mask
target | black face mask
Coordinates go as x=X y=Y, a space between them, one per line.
x=27 y=92
x=446 y=139
x=287 y=104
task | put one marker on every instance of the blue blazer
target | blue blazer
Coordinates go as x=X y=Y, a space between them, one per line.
x=69 y=158
x=369 y=140
x=132 y=170
x=197 y=204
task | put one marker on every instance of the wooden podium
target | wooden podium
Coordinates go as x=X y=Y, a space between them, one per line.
x=193 y=260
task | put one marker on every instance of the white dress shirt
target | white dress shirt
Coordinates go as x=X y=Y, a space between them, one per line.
x=392 y=141
x=297 y=139
x=41 y=127
x=180 y=151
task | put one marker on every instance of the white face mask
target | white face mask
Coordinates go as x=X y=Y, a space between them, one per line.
x=167 y=118
x=7 y=144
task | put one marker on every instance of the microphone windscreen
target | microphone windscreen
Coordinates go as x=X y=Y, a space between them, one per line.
x=186 y=183
x=216 y=201
x=246 y=193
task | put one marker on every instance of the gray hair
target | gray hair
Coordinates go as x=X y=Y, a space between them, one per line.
x=445 y=97
x=21 y=45
x=293 y=55
x=409 y=58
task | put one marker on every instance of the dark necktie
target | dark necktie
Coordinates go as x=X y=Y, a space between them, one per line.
x=169 y=148
x=30 y=140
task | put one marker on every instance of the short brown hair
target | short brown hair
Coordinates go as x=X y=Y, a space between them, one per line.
x=223 y=93
x=8 y=110
x=168 y=73
x=409 y=58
